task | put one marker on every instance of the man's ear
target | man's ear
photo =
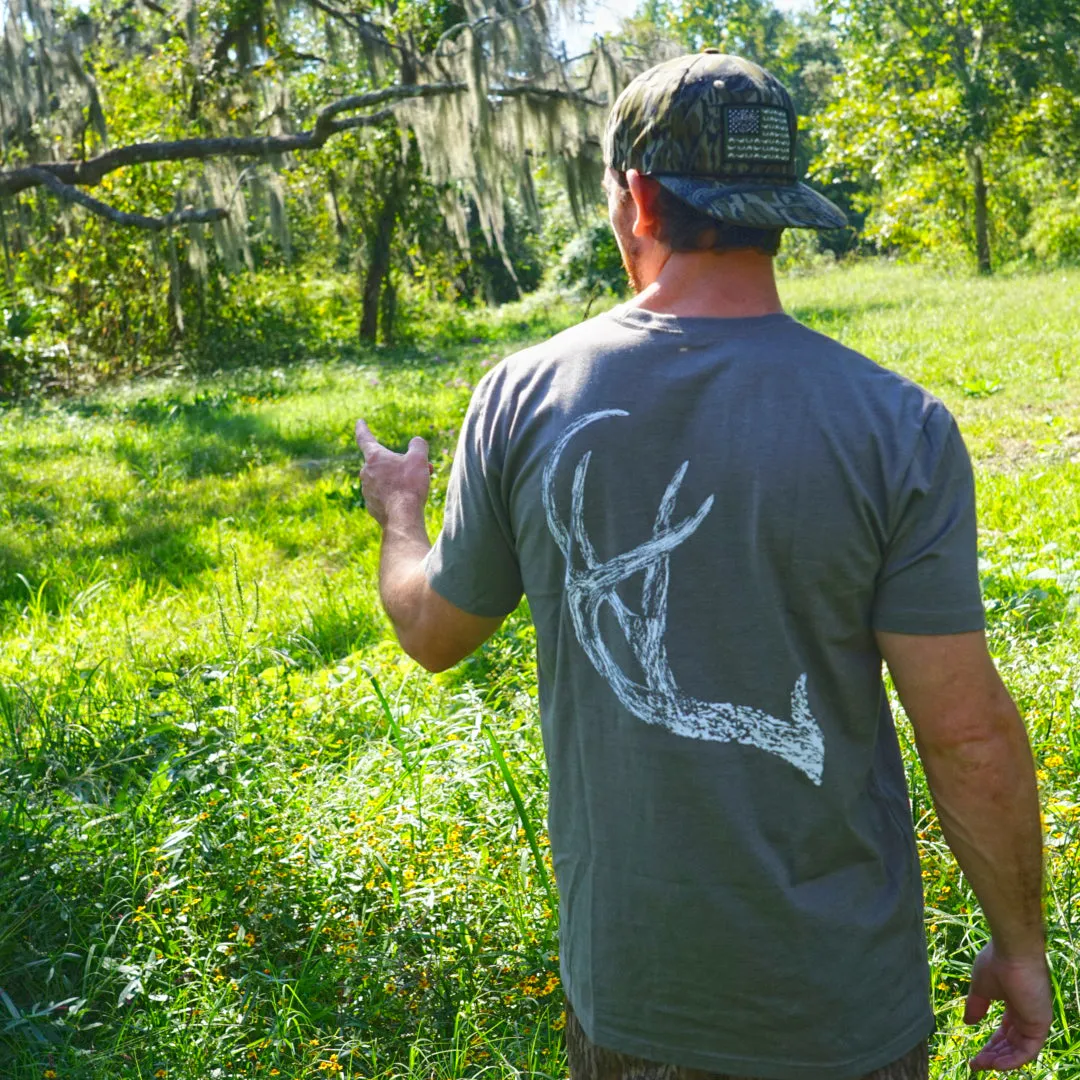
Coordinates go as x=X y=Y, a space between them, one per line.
x=645 y=192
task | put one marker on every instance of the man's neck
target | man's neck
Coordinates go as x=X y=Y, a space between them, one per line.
x=718 y=285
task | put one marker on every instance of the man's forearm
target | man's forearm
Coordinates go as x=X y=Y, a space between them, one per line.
x=988 y=806
x=405 y=544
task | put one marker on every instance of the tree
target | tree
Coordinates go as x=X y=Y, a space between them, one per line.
x=459 y=100
x=931 y=88
x=796 y=47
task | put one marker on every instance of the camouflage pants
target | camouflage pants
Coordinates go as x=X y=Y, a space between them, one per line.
x=591 y=1062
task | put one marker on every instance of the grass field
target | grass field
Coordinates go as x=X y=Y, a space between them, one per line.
x=241 y=836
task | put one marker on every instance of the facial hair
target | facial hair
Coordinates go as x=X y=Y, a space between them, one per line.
x=630 y=251
x=622 y=216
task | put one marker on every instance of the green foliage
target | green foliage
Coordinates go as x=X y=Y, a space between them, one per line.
x=590 y=262
x=798 y=48
x=364 y=204
x=271 y=317
x=1054 y=234
x=938 y=109
x=802 y=251
x=485 y=276
x=28 y=358
x=240 y=832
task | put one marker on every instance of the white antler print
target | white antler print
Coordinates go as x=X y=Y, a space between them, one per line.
x=592 y=582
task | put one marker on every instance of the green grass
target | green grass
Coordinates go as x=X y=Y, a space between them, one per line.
x=239 y=832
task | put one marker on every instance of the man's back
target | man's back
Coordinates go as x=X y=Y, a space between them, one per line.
x=710 y=519
x=724 y=523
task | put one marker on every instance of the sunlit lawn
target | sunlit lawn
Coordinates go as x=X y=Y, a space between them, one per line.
x=241 y=836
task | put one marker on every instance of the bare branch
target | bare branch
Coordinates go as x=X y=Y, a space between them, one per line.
x=387 y=93
x=96 y=206
x=366 y=120
x=482 y=21
x=544 y=92
x=364 y=29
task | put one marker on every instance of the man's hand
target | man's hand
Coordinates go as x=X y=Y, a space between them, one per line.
x=390 y=480
x=431 y=630
x=1024 y=986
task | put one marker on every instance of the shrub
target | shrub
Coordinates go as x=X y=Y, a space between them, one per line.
x=28 y=360
x=1054 y=234
x=590 y=263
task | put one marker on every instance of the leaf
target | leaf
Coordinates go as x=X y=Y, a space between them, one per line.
x=523 y=817
x=130 y=990
x=391 y=719
x=165 y=886
x=177 y=838
x=981 y=388
x=10 y=1005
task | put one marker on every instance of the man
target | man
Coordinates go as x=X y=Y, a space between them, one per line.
x=723 y=521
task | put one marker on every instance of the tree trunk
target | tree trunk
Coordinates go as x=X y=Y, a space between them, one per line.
x=389 y=310
x=9 y=276
x=340 y=228
x=378 y=266
x=982 y=225
x=380 y=253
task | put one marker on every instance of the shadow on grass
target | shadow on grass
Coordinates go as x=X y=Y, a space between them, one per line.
x=157 y=535
x=822 y=316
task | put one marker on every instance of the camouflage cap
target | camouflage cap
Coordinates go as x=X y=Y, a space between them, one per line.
x=718 y=132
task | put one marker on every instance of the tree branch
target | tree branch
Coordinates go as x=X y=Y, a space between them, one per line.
x=545 y=92
x=387 y=93
x=484 y=20
x=120 y=217
x=90 y=173
x=358 y=25
x=65 y=179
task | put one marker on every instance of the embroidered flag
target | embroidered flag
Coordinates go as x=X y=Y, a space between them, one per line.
x=756 y=133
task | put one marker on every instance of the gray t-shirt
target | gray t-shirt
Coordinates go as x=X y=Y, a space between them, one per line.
x=710 y=517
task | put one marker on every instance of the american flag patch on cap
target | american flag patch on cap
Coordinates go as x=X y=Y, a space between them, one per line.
x=756 y=133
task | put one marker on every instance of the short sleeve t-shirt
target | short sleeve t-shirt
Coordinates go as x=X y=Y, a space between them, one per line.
x=710 y=518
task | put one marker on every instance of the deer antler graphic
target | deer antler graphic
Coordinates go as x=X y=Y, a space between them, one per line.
x=592 y=582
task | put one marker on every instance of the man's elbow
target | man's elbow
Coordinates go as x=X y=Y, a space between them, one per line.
x=438 y=635
x=430 y=653
x=983 y=737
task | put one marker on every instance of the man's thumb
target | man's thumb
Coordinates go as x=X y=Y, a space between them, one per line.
x=976 y=1008
x=418 y=446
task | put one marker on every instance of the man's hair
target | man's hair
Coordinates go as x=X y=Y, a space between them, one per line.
x=685 y=228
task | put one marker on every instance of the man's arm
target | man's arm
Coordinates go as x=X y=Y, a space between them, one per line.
x=434 y=632
x=975 y=751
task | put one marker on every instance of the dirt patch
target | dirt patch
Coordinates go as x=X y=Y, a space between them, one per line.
x=1016 y=454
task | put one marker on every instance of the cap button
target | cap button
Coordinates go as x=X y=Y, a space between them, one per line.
x=710 y=50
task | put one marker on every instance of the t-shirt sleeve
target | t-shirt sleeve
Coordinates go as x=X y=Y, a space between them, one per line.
x=929 y=582
x=474 y=563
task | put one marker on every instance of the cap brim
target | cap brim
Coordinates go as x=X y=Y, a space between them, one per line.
x=757 y=204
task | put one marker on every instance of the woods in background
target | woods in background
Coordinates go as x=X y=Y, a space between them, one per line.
x=210 y=182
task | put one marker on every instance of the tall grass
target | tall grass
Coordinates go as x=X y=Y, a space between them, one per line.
x=242 y=836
